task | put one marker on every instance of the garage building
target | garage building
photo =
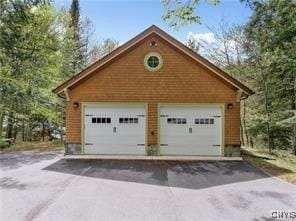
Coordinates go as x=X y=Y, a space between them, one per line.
x=153 y=96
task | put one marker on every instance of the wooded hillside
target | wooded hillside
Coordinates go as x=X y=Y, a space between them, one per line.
x=41 y=46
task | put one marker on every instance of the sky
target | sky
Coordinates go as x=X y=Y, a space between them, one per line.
x=124 y=19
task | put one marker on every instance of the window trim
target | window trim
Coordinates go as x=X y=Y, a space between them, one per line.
x=147 y=56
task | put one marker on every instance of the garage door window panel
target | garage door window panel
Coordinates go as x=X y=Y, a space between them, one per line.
x=123 y=120
x=204 y=121
x=176 y=120
x=101 y=120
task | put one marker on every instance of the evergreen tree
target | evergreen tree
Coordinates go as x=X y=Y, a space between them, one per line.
x=75 y=19
x=75 y=24
x=272 y=32
x=38 y=50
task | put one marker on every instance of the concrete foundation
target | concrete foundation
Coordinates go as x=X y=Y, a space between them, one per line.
x=232 y=150
x=152 y=150
x=72 y=148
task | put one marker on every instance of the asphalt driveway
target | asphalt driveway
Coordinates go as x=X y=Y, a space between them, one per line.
x=42 y=186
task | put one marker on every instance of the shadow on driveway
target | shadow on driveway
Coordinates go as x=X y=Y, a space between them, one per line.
x=15 y=160
x=192 y=175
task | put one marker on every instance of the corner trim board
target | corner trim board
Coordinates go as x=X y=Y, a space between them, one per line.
x=66 y=91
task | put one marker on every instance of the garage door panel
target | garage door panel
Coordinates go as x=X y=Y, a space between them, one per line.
x=122 y=133
x=110 y=139
x=201 y=134
x=189 y=150
x=110 y=149
x=201 y=111
x=131 y=140
x=171 y=132
x=188 y=139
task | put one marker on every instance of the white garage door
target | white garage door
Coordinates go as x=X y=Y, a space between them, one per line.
x=114 y=130
x=190 y=130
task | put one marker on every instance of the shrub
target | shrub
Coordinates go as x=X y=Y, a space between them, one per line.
x=4 y=143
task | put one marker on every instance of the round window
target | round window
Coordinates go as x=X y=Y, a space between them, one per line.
x=153 y=61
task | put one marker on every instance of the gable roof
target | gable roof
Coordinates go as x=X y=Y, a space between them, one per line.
x=114 y=55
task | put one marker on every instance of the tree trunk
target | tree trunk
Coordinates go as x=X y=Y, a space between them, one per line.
x=23 y=130
x=49 y=133
x=251 y=142
x=15 y=131
x=294 y=139
x=1 y=122
x=9 y=125
x=293 y=104
x=242 y=135
x=43 y=132
x=15 y=127
x=29 y=131
x=61 y=133
x=242 y=131
x=269 y=142
x=245 y=124
x=63 y=122
x=267 y=111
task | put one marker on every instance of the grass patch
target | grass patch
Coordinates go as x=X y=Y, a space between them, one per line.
x=280 y=163
x=35 y=146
